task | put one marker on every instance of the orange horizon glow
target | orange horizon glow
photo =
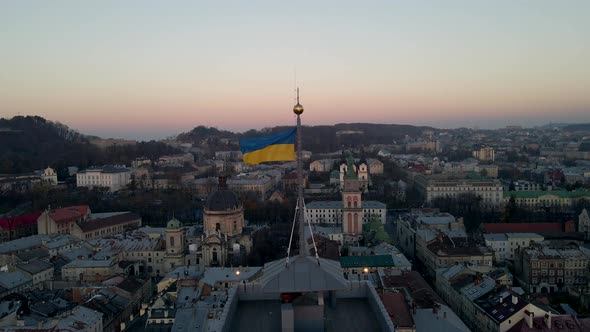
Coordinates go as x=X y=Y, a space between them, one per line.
x=120 y=70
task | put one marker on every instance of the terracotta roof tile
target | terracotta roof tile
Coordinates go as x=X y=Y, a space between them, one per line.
x=69 y=213
x=19 y=221
x=398 y=310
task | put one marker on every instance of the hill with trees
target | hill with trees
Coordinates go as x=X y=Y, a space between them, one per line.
x=29 y=143
x=317 y=138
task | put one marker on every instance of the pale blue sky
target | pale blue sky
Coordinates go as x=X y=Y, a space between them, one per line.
x=153 y=68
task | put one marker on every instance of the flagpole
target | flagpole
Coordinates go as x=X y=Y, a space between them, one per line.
x=298 y=110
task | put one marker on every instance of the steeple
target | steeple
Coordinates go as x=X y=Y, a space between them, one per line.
x=298 y=110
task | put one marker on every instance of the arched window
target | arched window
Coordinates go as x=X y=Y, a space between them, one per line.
x=172 y=241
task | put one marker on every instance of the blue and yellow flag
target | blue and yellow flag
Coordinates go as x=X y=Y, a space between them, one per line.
x=277 y=147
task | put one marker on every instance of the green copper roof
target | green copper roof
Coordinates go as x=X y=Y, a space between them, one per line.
x=538 y=193
x=366 y=261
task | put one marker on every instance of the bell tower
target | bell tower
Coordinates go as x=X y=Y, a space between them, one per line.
x=352 y=211
x=174 y=243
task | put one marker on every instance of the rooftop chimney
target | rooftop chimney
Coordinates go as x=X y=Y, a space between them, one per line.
x=529 y=316
x=548 y=320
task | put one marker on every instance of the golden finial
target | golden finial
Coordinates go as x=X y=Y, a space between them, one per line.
x=298 y=109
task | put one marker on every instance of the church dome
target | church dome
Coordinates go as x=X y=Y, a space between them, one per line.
x=173 y=223
x=222 y=199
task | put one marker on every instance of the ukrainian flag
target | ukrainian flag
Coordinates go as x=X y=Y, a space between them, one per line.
x=277 y=147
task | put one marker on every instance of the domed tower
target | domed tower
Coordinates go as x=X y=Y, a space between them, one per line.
x=223 y=212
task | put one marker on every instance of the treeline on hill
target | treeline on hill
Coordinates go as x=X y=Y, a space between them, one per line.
x=318 y=139
x=29 y=143
x=577 y=127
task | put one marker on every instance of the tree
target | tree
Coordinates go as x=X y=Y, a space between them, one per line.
x=509 y=209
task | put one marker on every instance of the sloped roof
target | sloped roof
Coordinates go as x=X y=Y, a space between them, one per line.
x=302 y=274
x=19 y=221
x=539 y=193
x=117 y=219
x=398 y=310
x=534 y=227
x=35 y=266
x=68 y=213
x=367 y=261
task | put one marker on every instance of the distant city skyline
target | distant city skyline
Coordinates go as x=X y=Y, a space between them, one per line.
x=151 y=70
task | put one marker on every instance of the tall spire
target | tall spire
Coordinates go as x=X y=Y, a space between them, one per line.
x=298 y=110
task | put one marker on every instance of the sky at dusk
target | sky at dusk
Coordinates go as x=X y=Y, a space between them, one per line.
x=150 y=69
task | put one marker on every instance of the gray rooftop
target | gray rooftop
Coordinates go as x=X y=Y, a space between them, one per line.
x=191 y=319
x=474 y=291
x=22 y=243
x=28 y=255
x=105 y=169
x=226 y=274
x=302 y=274
x=128 y=242
x=35 y=266
x=8 y=307
x=426 y=320
x=523 y=235
x=10 y=280
x=495 y=237
x=89 y=263
x=338 y=205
